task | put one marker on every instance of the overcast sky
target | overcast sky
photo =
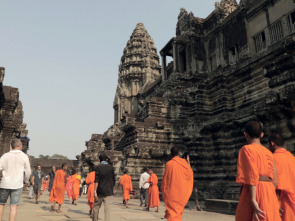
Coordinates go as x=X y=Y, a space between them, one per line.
x=63 y=55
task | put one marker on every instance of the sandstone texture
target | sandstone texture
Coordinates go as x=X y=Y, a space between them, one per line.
x=217 y=73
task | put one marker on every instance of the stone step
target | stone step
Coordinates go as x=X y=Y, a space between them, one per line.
x=221 y=206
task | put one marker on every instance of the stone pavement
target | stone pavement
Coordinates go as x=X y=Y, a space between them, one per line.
x=29 y=211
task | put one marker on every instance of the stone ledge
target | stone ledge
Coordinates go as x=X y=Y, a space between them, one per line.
x=221 y=206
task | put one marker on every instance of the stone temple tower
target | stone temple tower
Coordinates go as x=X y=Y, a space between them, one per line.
x=139 y=68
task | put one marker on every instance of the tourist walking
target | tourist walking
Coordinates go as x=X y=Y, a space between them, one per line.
x=90 y=194
x=16 y=170
x=126 y=183
x=143 y=187
x=104 y=187
x=76 y=180
x=154 y=200
x=257 y=174
x=57 y=194
x=51 y=177
x=85 y=188
x=37 y=181
x=285 y=164
x=177 y=185
x=82 y=182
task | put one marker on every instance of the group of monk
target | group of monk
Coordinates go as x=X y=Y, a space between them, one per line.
x=64 y=183
x=267 y=178
x=153 y=191
x=73 y=186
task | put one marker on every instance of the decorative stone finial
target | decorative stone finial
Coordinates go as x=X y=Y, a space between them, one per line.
x=2 y=73
x=226 y=7
x=139 y=57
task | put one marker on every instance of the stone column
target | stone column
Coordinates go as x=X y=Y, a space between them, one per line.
x=2 y=73
x=164 y=67
x=175 y=57
x=188 y=59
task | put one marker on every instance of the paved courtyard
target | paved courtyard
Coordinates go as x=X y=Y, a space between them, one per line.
x=30 y=211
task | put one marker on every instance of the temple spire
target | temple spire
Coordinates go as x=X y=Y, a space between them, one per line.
x=139 y=67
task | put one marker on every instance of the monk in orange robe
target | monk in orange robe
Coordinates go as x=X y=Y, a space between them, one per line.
x=76 y=179
x=285 y=164
x=177 y=186
x=257 y=174
x=126 y=183
x=57 y=194
x=154 y=200
x=90 y=194
x=44 y=184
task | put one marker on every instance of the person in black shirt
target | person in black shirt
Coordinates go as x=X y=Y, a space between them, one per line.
x=104 y=186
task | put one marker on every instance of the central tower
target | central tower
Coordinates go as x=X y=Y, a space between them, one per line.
x=139 y=67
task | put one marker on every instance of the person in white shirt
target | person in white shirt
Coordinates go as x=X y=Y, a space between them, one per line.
x=14 y=165
x=143 y=187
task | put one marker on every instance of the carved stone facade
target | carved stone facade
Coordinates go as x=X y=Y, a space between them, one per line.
x=11 y=117
x=234 y=66
x=138 y=69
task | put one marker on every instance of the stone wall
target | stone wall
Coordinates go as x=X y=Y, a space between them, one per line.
x=11 y=117
x=234 y=66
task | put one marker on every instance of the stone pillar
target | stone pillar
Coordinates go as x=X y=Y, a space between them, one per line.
x=188 y=59
x=164 y=67
x=2 y=73
x=175 y=57
x=6 y=136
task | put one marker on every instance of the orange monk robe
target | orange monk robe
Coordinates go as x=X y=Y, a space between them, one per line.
x=153 y=191
x=285 y=164
x=76 y=186
x=44 y=185
x=57 y=193
x=90 y=194
x=254 y=161
x=126 y=183
x=47 y=184
x=177 y=187
x=69 y=187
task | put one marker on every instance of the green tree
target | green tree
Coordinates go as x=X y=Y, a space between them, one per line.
x=58 y=156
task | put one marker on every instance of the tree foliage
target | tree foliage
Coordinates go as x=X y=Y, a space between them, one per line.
x=44 y=156
x=58 y=156
x=54 y=156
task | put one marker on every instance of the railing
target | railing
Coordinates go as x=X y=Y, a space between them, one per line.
x=260 y=41
x=276 y=32
x=291 y=22
x=280 y=29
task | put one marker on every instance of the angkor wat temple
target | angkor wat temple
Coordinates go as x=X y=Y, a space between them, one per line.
x=216 y=74
x=11 y=117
